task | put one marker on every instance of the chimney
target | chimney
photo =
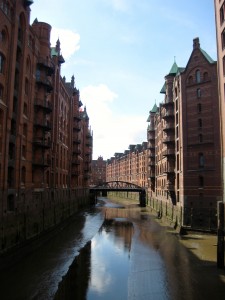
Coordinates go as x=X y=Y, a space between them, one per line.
x=196 y=43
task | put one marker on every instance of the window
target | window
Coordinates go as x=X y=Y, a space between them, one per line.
x=222 y=13
x=200 y=123
x=2 y=36
x=201 y=160
x=200 y=138
x=201 y=181
x=1 y=92
x=26 y=86
x=199 y=107
x=23 y=151
x=10 y=203
x=2 y=61
x=198 y=93
x=25 y=109
x=223 y=39
x=25 y=129
x=23 y=175
x=198 y=76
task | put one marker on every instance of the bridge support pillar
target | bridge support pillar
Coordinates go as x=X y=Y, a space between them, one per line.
x=142 y=198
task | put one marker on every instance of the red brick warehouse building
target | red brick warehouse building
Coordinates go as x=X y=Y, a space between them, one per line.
x=184 y=143
x=45 y=138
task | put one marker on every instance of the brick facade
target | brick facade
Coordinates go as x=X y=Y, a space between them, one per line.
x=183 y=179
x=45 y=138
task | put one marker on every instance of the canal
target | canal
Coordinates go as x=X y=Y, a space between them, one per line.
x=115 y=251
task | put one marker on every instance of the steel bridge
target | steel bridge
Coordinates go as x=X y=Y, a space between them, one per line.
x=118 y=186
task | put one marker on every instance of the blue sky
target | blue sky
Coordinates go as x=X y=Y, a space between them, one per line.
x=119 y=52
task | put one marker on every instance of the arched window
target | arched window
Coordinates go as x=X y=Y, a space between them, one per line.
x=200 y=123
x=198 y=76
x=198 y=93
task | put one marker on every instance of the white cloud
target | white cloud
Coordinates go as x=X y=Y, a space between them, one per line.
x=112 y=133
x=69 y=41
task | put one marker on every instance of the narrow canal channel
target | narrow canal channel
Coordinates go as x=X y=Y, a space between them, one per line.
x=115 y=252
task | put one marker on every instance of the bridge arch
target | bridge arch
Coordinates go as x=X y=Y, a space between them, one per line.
x=119 y=186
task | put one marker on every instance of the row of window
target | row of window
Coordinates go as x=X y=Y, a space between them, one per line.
x=198 y=77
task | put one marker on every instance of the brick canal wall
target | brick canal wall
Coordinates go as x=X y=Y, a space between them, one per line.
x=33 y=222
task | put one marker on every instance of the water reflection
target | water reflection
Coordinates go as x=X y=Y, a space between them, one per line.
x=102 y=267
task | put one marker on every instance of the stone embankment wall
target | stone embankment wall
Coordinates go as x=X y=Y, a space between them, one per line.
x=41 y=215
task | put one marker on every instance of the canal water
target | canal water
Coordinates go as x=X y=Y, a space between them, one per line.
x=117 y=252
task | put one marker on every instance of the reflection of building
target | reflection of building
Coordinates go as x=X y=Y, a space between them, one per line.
x=45 y=141
x=98 y=171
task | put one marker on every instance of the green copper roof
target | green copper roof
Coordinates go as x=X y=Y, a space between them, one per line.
x=174 y=69
x=163 y=89
x=210 y=60
x=54 y=52
x=154 y=109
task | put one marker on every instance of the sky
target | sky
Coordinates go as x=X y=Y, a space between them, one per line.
x=119 y=52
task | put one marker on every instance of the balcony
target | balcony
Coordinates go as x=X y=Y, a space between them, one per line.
x=151 y=136
x=76 y=141
x=42 y=143
x=76 y=150
x=151 y=128
x=168 y=139
x=77 y=118
x=45 y=125
x=75 y=161
x=170 y=186
x=41 y=162
x=169 y=152
x=48 y=65
x=76 y=126
x=151 y=146
x=169 y=170
x=75 y=173
x=152 y=175
x=168 y=126
x=43 y=80
x=168 y=101
x=168 y=114
x=44 y=104
x=152 y=155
